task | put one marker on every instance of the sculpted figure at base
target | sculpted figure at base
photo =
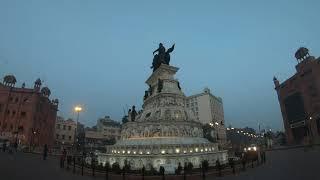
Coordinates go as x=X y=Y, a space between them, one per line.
x=133 y=113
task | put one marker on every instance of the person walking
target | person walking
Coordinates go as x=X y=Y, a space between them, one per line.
x=45 y=152
x=63 y=158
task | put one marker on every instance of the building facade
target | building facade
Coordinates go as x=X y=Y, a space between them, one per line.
x=208 y=109
x=65 y=131
x=299 y=99
x=109 y=128
x=27 y=115
x=106 y=132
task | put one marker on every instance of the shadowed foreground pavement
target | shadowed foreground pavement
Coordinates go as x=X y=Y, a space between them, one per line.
x=290 y=164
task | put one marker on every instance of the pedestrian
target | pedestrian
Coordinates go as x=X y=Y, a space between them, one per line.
x=244 y=161
x=45 y=152
x=63 y=158
x=264 y=156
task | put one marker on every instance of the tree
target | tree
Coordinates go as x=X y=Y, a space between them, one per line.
x=207 y=132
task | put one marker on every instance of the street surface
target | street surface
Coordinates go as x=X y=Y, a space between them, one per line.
x=293 y=164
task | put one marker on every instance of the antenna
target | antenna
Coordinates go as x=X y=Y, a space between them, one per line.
x=124 y=111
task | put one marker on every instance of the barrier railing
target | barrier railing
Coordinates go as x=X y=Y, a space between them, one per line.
x=80 y=167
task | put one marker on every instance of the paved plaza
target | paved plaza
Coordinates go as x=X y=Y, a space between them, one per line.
x=290 y=164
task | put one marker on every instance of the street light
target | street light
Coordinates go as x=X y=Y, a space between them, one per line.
x=77 y=109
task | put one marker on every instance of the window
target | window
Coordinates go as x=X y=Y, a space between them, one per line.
x=57 y=136
x=13 y=113
x=64 y=127
x=63 y=136
x=11 y=99
x=58 y=126
x=0 y=107
x=8 y=111
x=23 y=114
x=197 y=109
x=16 y=100
x=69 y=128
x=195 y=103
x=69 y=137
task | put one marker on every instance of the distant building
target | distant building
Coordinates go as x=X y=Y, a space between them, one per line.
x=239 y=138
x=109 y=128
x=299 y=99
x=65 y=131
x=106 y=132
x=27 y=115
x=208 y=109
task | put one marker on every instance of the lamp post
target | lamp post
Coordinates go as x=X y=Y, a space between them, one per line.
x=77 y=109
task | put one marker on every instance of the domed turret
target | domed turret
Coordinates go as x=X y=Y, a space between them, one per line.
x=301 y=54
x=45 y=91
x=9 y=80
x=37 y=84
x=206 y=90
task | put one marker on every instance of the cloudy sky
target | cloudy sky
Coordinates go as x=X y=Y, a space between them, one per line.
x=98 y=53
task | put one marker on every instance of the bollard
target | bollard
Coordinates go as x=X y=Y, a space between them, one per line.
x=162 y=172
x=68 y=162
x=82 y=164
x=74 y=164
x=93 y=169
x=143 y=171
x=107 y=171
x=123 y=173
x=203 y=173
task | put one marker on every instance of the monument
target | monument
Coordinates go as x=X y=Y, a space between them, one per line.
x=165 y=132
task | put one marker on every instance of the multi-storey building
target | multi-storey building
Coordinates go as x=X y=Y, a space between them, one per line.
x=27 y=115
x=106 y=132
x=299 y=99
x=208 y=109
x=109 y=128
x=65 y=131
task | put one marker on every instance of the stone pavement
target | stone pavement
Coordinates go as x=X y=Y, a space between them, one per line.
x=290 y=164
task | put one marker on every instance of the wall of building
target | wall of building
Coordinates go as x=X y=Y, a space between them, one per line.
x=65 y=131
x=209 y=110
x=27 y=116
x=305 y=84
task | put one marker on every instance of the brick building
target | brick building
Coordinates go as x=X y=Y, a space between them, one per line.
x=27 y=115
x=299 y=99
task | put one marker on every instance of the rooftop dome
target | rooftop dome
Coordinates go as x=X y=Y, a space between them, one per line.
x=9 y=80
x=38 y=82
x=302 y=53
x=46 y=91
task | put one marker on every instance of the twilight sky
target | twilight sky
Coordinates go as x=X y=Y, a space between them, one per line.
x=98 y=53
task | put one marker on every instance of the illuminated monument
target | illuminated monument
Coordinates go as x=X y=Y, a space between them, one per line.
x=165 y=133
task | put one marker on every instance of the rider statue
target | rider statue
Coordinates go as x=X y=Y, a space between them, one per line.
x=163 y=56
